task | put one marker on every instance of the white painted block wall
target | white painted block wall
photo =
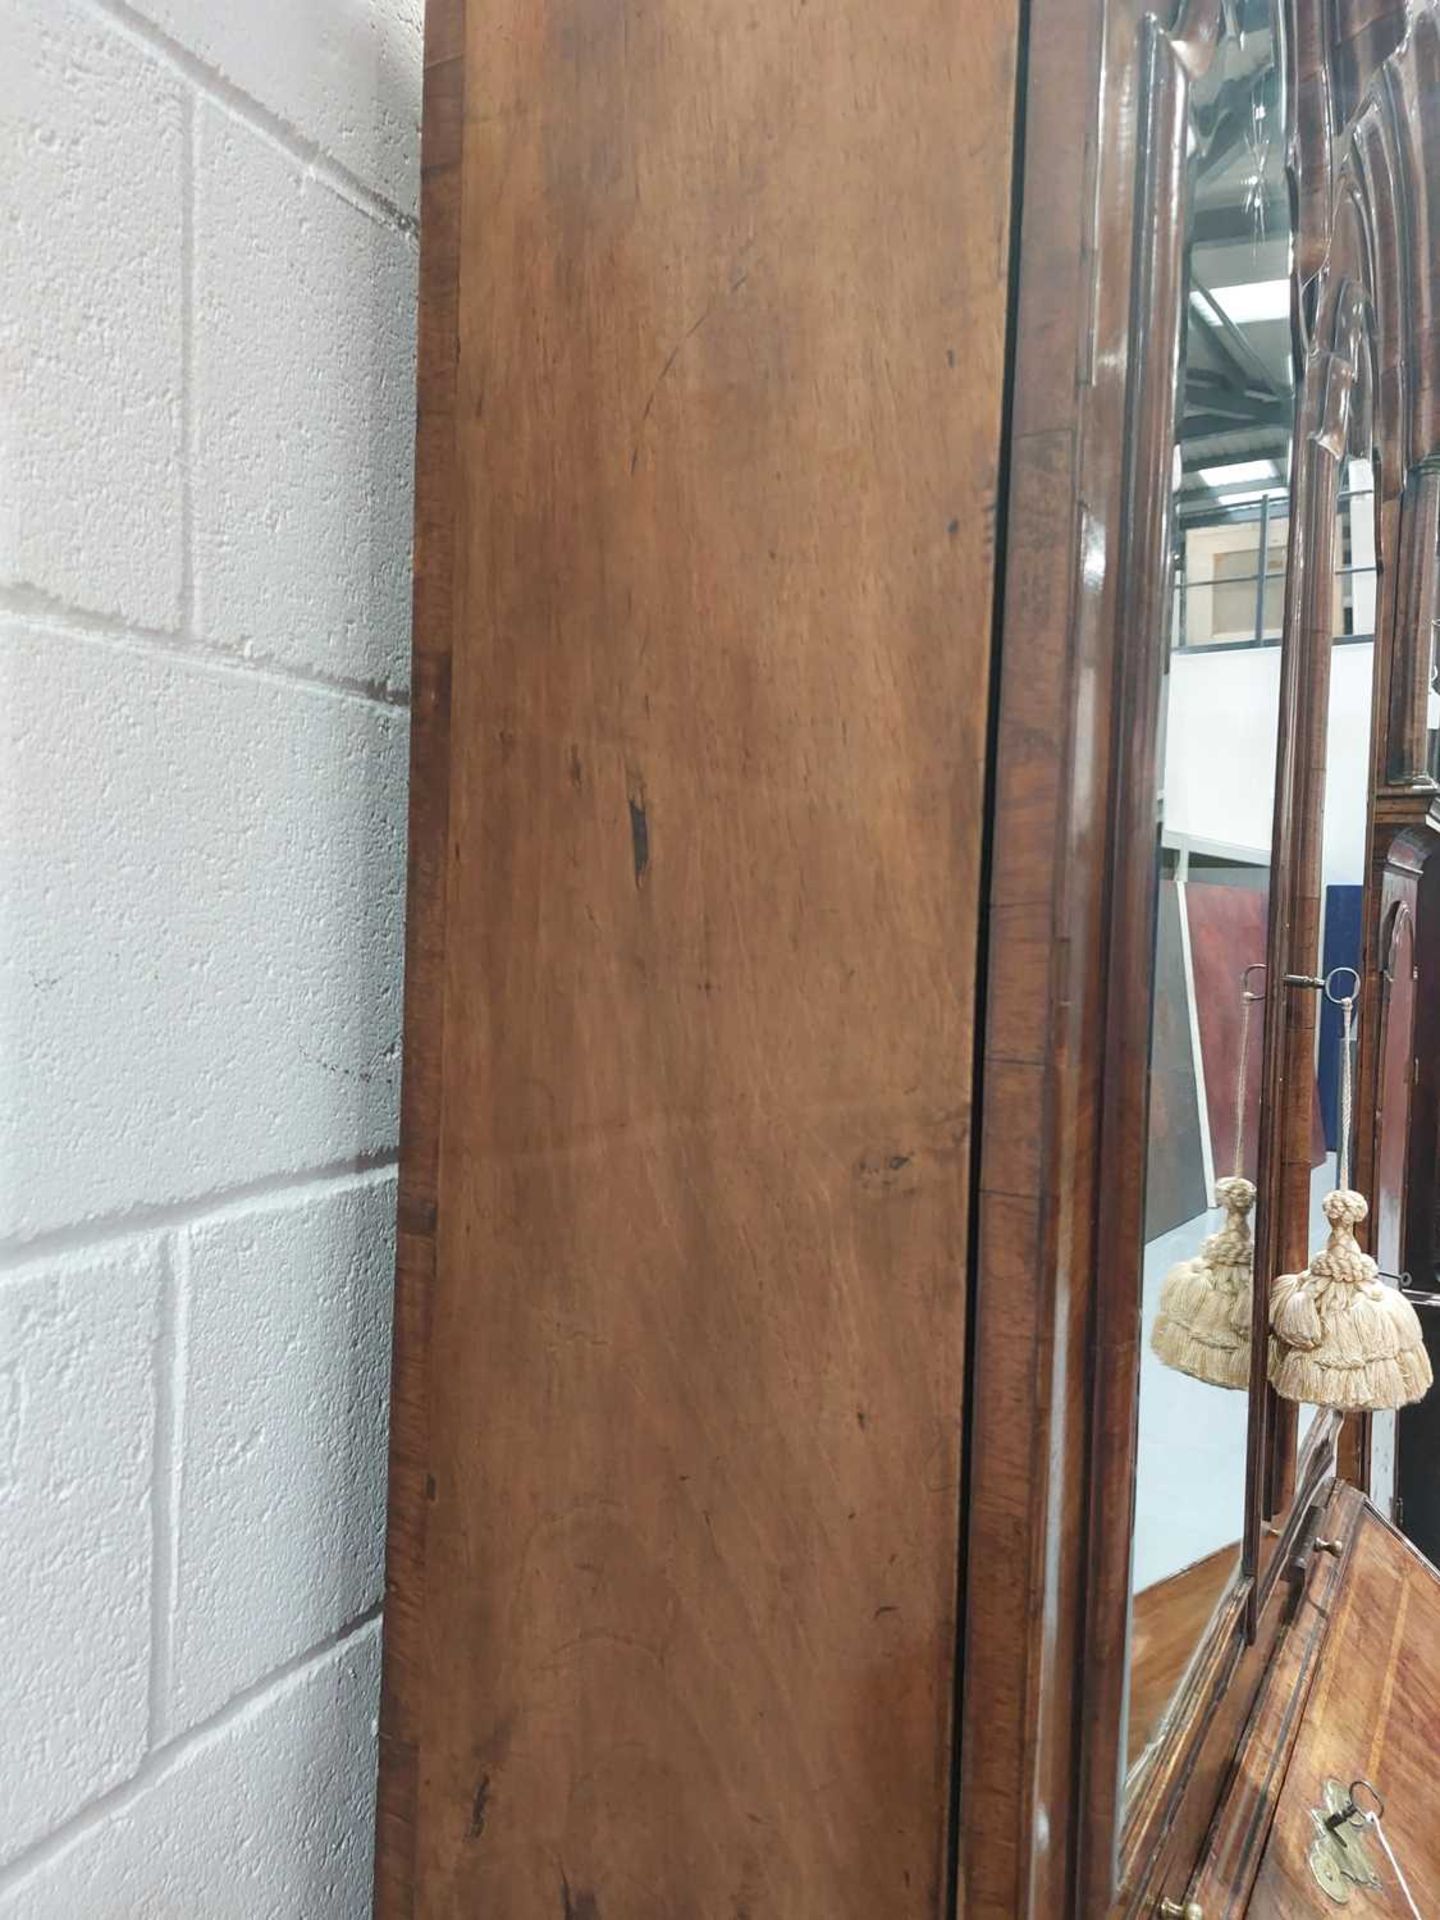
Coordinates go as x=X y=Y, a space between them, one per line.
x=207 y=287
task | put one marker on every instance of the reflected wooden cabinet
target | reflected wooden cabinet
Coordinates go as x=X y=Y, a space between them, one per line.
x=927 y=560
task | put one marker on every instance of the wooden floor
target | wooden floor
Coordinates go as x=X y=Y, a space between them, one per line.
x=1166 y=1627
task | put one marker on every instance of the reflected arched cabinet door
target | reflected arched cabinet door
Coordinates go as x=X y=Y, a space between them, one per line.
x=1216 y=767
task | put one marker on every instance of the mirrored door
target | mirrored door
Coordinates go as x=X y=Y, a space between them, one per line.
x=1214 y=822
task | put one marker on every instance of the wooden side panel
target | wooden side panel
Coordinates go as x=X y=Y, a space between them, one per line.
x=1418 y=1429
x=1051 y=1477
x=1027 y=1350
x=434 y=623
x=678 y=1460
x=1395 y=1082
x=1422 y=1186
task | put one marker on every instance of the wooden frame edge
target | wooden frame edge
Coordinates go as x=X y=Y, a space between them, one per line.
x=436 y=507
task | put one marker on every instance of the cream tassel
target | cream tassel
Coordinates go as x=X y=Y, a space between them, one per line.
x=1203 y=1325
x=1341 y=1337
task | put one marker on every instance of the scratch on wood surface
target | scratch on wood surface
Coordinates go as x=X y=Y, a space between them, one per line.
x=577 y=1903
x=478 y=1807
x=639 y=829
x=674 y=354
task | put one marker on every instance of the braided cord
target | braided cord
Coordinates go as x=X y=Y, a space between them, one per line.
x=1347 y=1092
x=1372 y=1820
x=1247 y=1001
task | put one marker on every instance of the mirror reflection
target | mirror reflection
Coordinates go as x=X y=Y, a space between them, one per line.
x=1347 y=790
x=1215 y=818
x=1342 y=875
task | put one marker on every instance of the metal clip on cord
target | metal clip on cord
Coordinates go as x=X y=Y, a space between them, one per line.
x=1326 y=984
x=1417 y=1296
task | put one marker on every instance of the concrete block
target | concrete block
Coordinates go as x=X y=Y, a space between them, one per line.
x=304 y=372
x=346 y=78
x=267 y=1817
x=286 y=1360
x=91 y=296
x=77 y=1415
x=203 y=872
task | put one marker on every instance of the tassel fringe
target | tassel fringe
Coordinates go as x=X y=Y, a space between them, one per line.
x=1203 y=1326
x=1340 y=1337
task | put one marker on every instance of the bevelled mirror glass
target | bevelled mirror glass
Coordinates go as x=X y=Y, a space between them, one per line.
x=1220 y=714
x=1344 y=816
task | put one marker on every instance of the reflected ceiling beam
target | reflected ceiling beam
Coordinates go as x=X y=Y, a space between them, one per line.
x=1214 y=395
x=1210 y=449
x=1225 y=225
x=1228 y=340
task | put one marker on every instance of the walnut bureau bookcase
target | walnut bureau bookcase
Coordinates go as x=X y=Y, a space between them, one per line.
x=927 y=552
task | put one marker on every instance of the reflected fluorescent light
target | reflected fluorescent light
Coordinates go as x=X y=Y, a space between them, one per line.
x=1243 y=499
x=1252 y=300
x=1238 y=473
